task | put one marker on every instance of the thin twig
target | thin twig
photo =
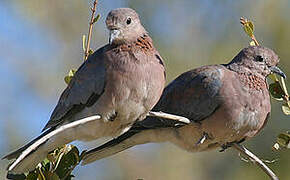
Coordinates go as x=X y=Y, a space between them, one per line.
x=243 y=21
x=255 y=160
x=90 y=29
x=169 y=116
x=263 y=160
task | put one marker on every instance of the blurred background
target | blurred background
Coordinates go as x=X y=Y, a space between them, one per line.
x=41 y=40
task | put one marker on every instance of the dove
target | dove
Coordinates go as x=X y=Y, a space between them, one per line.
x=117 y=85
x=226 y=103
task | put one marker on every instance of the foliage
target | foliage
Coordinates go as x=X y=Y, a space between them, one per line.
x=277 y=89
x=58 y=165
x=86 y=49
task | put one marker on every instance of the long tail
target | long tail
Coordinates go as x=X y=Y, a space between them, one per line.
x=28 y=156
x=16 y=153
x=125 y=141
x=112 y=147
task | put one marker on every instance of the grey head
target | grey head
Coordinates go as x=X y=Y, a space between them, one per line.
x=124 y=26
x=256 y=60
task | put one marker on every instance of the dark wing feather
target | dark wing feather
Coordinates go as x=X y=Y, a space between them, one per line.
x=194 y=95
x=85 y=88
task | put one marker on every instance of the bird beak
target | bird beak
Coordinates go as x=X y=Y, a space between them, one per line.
x=276 y=70
x=114 y=33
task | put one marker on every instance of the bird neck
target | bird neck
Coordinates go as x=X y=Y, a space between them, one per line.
x=143 y=42
x=248 y=77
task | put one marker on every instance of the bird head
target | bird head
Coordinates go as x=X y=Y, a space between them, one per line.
x=124 y=26
x=257 y=60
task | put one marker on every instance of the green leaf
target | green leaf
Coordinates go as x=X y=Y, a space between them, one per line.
x=55 y=177
x=45 y=162
x=283 y=141
x=273 y=77
x=70 y=75
x=84 y=43
x=249 y=28
x=286 y=109
x=96 y=18
x=251 y=25
x=68 y=161
x=276 y=91
x=252 y=43
x=91 y=51
x=59 y=154
x=284 y=86
x=40 y=174
x=32 y=176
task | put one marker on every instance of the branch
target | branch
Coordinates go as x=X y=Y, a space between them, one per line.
x=255 y=160
x=169 y=116
x=249 y=28
x=90 y=29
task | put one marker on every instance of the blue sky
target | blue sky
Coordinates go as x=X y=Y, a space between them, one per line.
x=24 y=43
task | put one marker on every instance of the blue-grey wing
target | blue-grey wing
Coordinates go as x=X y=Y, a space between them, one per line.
x=84 y=89
x=194 y=95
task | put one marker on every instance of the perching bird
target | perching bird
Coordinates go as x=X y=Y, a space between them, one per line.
x=227 y=104
x=121 y=82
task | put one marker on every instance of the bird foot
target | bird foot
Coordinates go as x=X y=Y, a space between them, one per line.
x=226 y=146
x=204 y=137
x=230 y=144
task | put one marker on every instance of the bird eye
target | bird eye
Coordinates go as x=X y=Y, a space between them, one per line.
x=129 y=21
x=259 y=59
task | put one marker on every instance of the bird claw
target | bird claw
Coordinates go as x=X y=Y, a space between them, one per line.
x=230 y=144
x=204 y=137
x=226 y=146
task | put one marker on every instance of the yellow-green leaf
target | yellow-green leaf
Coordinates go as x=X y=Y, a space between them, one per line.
x=249 y=28
x=55 y=177
x=84 y=43
x=284 y=86
x=96 y=18
x=68 y=161
x=286 y=109
x=273 y=77
x=72 y=72
x=276 y=91
x=70 y=75
x=91 y=51
x=31 y=176
x=251 y=25
x=252 y=43
x=283 y=141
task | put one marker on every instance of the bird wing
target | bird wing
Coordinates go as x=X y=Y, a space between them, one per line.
x=84 y=89
x=194 y=95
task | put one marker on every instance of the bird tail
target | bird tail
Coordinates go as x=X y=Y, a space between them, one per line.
x=16 y=153
x=123 y=142
x=110 y=148
x=28 y=156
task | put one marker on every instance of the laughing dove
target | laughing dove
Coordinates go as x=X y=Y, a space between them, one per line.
x=226 y=103
x=121 y=82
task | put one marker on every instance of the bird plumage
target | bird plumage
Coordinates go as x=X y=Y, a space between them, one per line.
x=120 y=82
x=226 y=104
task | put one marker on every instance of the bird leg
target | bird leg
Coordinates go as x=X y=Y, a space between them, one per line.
x=204 y=137
x=230 y=144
